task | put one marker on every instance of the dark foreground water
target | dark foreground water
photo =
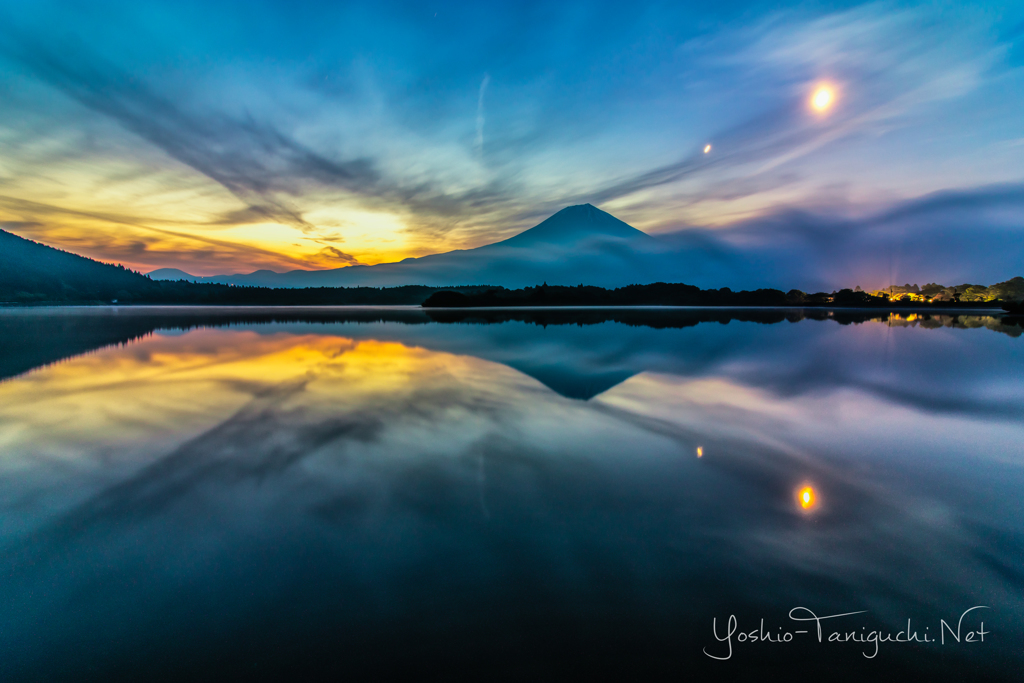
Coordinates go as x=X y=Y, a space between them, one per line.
x=354 y=494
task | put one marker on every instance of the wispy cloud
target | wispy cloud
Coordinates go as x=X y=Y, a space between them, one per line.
x=951 y=237
x=252 y=159
x=612 y=115
x=126 y=239
x=337 y=255
x=885 y=63
x=480 y=115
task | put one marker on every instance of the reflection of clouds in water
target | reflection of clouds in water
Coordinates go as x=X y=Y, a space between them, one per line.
x=109 y=412
x=403 y=459
x=857 y=449
x=909 y=366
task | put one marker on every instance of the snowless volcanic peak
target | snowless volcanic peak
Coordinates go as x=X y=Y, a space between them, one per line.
x=575 y=223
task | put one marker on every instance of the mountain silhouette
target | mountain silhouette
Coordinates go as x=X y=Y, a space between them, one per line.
x=30 y=271
x=171 y=274
x=572 y=225
x=579 y=244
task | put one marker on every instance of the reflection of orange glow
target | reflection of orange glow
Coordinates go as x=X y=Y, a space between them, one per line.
x=700 y=451
x=806 y=497
x=187 y=384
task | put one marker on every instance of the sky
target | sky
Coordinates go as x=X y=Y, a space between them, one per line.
x=222 y=137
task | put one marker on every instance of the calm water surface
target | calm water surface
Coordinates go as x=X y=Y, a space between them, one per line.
x=209 y=494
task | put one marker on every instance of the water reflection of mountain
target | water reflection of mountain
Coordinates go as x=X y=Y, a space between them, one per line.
x=370 y=472
x=578 y=353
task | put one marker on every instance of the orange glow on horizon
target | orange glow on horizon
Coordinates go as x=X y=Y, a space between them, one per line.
x=198 y=233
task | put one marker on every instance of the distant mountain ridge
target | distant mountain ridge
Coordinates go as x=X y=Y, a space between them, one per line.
x=584 y=245
x=170 y=274
x=579 y=244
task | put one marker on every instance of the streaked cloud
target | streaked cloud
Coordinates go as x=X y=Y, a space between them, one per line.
x=166 y=145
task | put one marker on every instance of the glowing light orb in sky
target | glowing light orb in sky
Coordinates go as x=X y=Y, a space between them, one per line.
x=807 y=497
x=823 y=98
x=707 y=148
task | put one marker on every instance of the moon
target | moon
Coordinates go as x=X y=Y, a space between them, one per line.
x=807 y=497
x=822 y=98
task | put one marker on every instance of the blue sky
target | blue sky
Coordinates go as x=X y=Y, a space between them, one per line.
x=224 y=137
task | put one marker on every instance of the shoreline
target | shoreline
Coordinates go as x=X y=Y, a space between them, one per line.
x=892 y=309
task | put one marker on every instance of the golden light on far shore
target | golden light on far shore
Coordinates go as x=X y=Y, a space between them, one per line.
x=806 y=497
x=823 y=98
x=700 y=451
x=707 y=148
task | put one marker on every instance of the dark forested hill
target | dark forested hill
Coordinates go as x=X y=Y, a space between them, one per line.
x=33 y=273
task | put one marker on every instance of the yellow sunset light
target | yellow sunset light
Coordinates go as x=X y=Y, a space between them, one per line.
x=822 y=98
x=700 y=451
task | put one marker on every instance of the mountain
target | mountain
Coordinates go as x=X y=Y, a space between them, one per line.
x=573 y=225
x=34 y=273
x=30 y=271
x=951 y=237
x=579 y=244
x=170 y=274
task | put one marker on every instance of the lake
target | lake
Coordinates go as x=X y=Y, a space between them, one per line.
x=218 y=493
